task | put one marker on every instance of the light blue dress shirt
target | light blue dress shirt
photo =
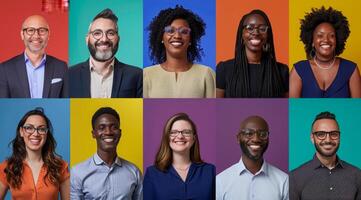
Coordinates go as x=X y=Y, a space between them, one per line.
x=35 y=77
x=236 y=182
x=93 y=179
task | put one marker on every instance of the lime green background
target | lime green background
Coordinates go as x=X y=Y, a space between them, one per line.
x=301 y=115
x=130 y=25
x=83 y=145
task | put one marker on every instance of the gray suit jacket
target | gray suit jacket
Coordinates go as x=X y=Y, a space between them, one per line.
x=14 y=79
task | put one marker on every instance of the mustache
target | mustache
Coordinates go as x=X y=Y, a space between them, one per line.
x=327 y=143
x=108 y=43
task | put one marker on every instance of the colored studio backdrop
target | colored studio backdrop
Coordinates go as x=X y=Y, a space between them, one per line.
x=349 y=8
x=229 y=14
x=205 y=9
x=14 y=12
x=302 y=114
x=158 y=111
x=83 y=145
x=230 y=114
x=130 y=27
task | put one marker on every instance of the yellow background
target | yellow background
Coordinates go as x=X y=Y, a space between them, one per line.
x=83 y=145
x=349 y=8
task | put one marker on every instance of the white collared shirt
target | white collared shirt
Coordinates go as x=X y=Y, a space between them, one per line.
x=101 y=85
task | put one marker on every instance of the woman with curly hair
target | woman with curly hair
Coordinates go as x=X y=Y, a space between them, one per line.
x=324 y=75
x=254 y=71
x=174 y=43
x=34 y=170
x=178 y=171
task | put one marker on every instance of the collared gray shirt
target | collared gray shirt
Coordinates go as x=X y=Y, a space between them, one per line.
x=237 y=183
x=314 y=181
x=93 y=179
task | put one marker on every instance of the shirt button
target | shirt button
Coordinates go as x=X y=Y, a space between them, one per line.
x=331 y=188
x=330 y=172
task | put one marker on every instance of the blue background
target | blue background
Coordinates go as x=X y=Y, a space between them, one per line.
x=205 y=9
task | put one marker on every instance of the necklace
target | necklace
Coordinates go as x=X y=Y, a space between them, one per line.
x=327 y=67
x=180 y=169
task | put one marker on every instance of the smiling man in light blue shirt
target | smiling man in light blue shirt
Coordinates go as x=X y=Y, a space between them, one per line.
x=252 y=178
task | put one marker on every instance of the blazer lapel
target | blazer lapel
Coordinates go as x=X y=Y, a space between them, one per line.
x=48 y=75
x=23 y=76
x=85 y=79
x=117 y=78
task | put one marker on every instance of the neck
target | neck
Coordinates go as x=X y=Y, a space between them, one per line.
x=252 y=165
x=176 y=64
x=107 y=157
x=35 y=58
x=181 y=160
x=324 y=59
x=101 y=67
x=33 y=156
x=329 y=162
x=253 y=57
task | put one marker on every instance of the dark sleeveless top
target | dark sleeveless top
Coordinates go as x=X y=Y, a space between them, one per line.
x=339 y=88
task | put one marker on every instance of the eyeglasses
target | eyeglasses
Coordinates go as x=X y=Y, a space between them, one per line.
x=185 y=133
x=31 y=31
x=98 y=34
x=250 y=133
x=30 y=129
x=103 y=127
x=170 y=30
x=321 y=135
x=252 y=27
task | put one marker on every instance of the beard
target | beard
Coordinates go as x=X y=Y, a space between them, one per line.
x=248 y=154
x=103 y=56
x=326 y=154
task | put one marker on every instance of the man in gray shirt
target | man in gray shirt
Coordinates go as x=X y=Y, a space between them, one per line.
x=326 y=176
x=105 y=175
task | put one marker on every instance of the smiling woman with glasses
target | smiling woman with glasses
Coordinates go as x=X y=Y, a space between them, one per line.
x=174 y=43
x=254 y=70
x=178 y=165
x=34 y=170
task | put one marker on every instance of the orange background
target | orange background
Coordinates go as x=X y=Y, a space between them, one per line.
x=14 y=12
x=230 y=12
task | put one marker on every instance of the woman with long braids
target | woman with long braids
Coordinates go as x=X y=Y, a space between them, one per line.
x=34 y=170
x=254 y=72
x=324 y=75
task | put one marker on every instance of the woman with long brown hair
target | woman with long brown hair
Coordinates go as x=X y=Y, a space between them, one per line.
x=34 y=170
x=178 y=171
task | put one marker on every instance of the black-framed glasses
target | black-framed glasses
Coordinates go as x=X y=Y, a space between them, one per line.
x=185 y=133
x=250 y=133
x=98 y=34
x=321 y=135
x=262 y=28
x=170 y=30
x=31 y=31
x=30 y=129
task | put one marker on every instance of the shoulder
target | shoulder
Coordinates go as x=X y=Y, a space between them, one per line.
x=80 y=169
x=347 y=64
x=277 y=173
x=152 y=69
x=152 y=172
x=79 y=66
x=282 y=67
x=226 y=63
x=300 y=64
x=9 y=64
x=299 y=171
x=128 y=68
x=349 y=167
x=50 y=58
x=3 y=165
x=199 y=68
x=228 y=173
x=131 y=167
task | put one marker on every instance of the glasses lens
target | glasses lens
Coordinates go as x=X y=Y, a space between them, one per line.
x=42 y=31
x=249 y=28
x=263 y=28
x=97 y=34
x=30 y=31
x=29 y=129
x=184 y=31
x=263 y=134
x=170 y=30
x=187 y=132
x=334 y=135
x=111 y=34
x=42 y=130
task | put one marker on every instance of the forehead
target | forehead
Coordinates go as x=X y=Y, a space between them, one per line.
x=324 y=27
x=36 y=22
x=179 y=22
x=106 y=119
x=181 y=124
x=255 y=19
x=103 y=24
x=255 y=123
x=325 y=125
x=35 y=119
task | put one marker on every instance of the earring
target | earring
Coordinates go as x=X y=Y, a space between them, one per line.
x=266 y=47
x=162 y=42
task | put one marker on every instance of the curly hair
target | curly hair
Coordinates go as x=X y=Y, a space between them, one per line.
x=52 y=161
x=165 y=18
x=239 y=81
x=318 y=16
x=164 y=155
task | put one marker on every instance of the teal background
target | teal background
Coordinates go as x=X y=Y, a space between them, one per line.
x=130 y=25
x=301 y=116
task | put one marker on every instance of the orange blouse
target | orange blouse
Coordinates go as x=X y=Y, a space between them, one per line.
x=30 y=190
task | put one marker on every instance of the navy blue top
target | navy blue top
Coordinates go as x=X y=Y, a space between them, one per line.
x=168 y=185
x=339 y=88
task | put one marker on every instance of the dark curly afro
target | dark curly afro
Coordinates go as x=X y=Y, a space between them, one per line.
x=165 y=18
x=318 y=16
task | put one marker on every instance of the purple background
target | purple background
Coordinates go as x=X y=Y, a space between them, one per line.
x=230 y=113
x=158 y=111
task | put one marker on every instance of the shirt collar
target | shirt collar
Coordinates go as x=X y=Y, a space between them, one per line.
x=99 y=161
x=42 y=59
x=316 y=163
x=242 y=168
x=92 y=68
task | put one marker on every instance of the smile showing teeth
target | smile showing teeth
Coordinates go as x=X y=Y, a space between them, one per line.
x=35 y=141
x=325 y=46
x=180 y=142
x=255 y=41
x=108 y=140
x=255 y=147
x=176 y=44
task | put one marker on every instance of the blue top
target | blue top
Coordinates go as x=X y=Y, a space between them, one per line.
x=93 y=179
x=168 y=185
x=35 y=77
x=339 y=88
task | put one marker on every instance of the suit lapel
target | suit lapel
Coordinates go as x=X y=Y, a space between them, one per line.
x=23 y=76
x=48 y=74
x=85 y=79
x=117 y=78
